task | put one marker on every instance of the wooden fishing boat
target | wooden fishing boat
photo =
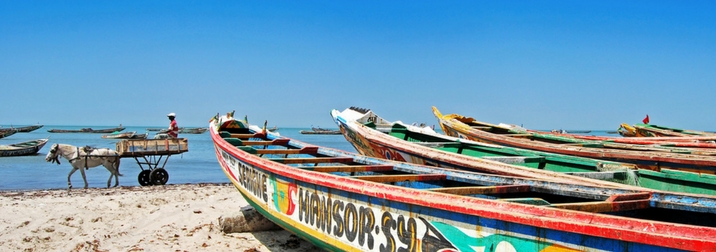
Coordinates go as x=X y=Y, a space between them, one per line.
x=660 y=144
x=646 y=158
x=627 y=130
x=140 y=136
x=22 y=148
x=120 y=135
x=23 y=129
x=343 y=201
x=87 y=130
x=422 y=145
x=4 y=134
x=653 y=130
x=687 y=141
x=320 y=131
x=192 y=130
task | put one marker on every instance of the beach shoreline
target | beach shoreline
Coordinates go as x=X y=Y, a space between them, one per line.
x=174 y=217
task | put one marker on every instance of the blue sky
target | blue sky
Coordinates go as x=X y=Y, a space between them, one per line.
x=542 y=64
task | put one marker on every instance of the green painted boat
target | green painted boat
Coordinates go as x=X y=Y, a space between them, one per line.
x=424 y=146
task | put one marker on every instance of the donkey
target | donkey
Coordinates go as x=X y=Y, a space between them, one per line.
x=82 y=158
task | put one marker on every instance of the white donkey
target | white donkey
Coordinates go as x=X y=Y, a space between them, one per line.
x=86 y=157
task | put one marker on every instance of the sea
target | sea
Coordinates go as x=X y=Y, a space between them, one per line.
x=198 y=165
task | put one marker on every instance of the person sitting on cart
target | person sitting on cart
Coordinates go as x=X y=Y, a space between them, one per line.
x=173 y=128
x=173 y=131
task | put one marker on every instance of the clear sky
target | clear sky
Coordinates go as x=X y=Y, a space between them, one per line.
x=542 y=64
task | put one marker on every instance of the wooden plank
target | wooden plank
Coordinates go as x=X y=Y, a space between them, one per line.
x=602 y=207
x=606 y=175
x=349 y=168
x=305 y=150
x=244 y=135
x=469 y=190
x=481 y=127
x=400 y=178
x=313 y=160
x=631 y=196
x=282 y=142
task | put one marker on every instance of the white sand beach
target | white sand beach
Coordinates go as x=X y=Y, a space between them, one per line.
x=155 y=218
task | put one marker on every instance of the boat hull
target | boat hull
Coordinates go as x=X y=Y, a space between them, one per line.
x=345 y=214
x=22 y=149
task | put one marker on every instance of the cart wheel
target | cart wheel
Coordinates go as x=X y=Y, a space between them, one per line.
x=159 y=176
x=144 y=178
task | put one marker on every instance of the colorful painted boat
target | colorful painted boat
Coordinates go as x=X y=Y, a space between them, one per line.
x=23 y=148
x=469 y=128
x=687 y=141
x=653 y=130
x=424 y=146
x=658 y=144
x=342 y=201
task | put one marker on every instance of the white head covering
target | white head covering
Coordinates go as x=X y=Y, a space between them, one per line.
x=172 y=114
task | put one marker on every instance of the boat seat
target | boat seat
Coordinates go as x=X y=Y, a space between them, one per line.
x=605 y=175
x=349 y=168
x=471 y=190
x=615 y=203
x=401 y=178
x=304 y=150
x=313 y=160
x=516 y=159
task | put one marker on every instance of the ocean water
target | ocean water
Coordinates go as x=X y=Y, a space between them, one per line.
x=198 y=165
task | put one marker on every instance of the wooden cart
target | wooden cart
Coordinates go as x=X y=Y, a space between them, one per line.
x=149 y=154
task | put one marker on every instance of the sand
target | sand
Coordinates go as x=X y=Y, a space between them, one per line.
x=155 y=218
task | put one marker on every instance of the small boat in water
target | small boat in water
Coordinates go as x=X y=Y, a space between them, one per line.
x=192 y=130
x=320 y=131
x=7 y=133
x=88 y=130
x=342 y=201
x=23 y=129
x=22 y=148
x=140 y=136
x=120 y=135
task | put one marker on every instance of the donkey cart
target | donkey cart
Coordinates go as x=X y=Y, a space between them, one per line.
x=154 y=154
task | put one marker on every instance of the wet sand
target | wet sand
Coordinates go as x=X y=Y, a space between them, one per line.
x=155 y=218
